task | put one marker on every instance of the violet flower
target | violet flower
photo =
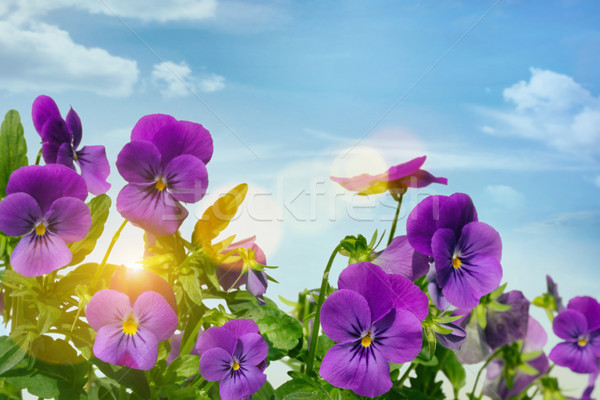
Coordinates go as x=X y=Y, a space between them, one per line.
x=234 y=354
x=553 y=291
x=371 y=332
x=60 y=140
x=579 y=326
x=396 y=179
x=256 y=282
x=466 y=252
x=165 y=164
x=45 y=205
x=129 y=335
x=453 y=340
x=400 y=258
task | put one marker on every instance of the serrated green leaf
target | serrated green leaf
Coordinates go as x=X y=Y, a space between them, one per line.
x=99 y=208
x=13 y=148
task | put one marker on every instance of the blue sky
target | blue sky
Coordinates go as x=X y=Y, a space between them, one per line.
x=502 y=96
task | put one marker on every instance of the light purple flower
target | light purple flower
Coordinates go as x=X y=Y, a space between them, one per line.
x=579 y=326
x=45 y=205
x=370 y=330
x=60 y=140
x=129 y=335
x=466 y=252
x=235 y=355
x=400 y=258
x=165 y=164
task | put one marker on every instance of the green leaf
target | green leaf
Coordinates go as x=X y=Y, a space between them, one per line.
x=495 y=306
x=300 y=389
x=266 y=392
x=55 y=351
x=37 y=384
x=191 y=286
x=13 y=148
x=83 y=275
x=182 y=368
x=480 y=314
x=128 y=377
x=10 y=353
x=452 y=368
x=99 y=207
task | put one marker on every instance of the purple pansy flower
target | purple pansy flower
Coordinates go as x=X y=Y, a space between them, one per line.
x=60 y=140
x=133 y=282
x=235 y=355
x=399 y=258
x=496 y=385
x=466 y=252
x=164 y=164
x=579 y=326
x=396 y=179
x=370 y=329
x=129 y=335
x=45 y=205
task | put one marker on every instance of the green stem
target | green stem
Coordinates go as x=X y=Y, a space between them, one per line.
x=108 y=251
x=406 y=374
x=490 y=358
x=395 y=222
x=38 y=158
x=315 y=332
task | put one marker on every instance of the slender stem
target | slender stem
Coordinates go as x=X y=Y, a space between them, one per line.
x=490 y=358
x=315 y=332
x=395 y=222
x=39 y=156
x=406 y=374
x=110 y=247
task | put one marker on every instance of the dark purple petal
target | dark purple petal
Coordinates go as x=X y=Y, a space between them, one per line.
x=19 y=213
x=39 y=255
x=422 y=223
x=186 y=178
x=94 y=168
x=107 y=307
x=148 y=125
x=401 y=259
x=64 y=156
x=579 y=359
x=458 y=291
x=55 y=130
x=409 y=296
x=589 y=307
x=406 y=169
x=153 y=210
x=50 y=151
x=370 y=282
x=553 y=291
x=74 y=126
x=569 y=325
x=480 y=238
x=352 y=366
x=422 y=178
x=156 y=315
x=184 y=138
x=47 y=183
x=345 y=316
x=251 y=349
x=505 y=327
x=482 y=275
x=399 y=336
x=138 y=351
x=139 y=162
x=217 y=336
x=215 y=364
x=435 y=291
x=536 y=337
x=443 y=244
x=69 y=218
x=456 y=212
x=239 y=384
x=452 y=340
x=256 y=282
x=43 y=109
x=241 y=327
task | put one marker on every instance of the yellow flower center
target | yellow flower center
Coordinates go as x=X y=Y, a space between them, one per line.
x=456 y=263
x=582 y=342
x=235 y=366
x=160 y=185
x=40 y=229
x=366 y=340
x=130 y=325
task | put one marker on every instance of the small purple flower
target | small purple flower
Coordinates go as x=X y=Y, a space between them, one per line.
x=553 y=291
x=396 y=179
x=371 y=331
x=466 y=252
x=452 y=340
x=235 y=355
x=45 y=205
x=165 y=164
x=60 y=140
x=400 y=258
x=129 y=335
x=579 y=326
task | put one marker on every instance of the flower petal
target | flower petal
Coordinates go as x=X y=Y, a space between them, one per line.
x=186 y=178
x=401 y=259
x=479 y=275
x=19 y=212
x=422 y=223
x=39 y=255
x=94 y=168
x=184 y=138
x=251 y=349
x=74 y=126
x=217 y=336
x=50 y=151
x=569 y=325
x=364 y=184
x=43 y=109
x=589 y=307
x=452 y=340
x=107 y=307
x=458 y=291
x=456 y=212
x=422 y=178
x=64 y=156
x=399 y=336
x=139 y=162
x=240 y=384
x=134 y=282
x=55 y=130
x=69 y=218
x=405 y=169
x=536 y=336
x=256 y=282
x=156 y=315
x=240 y=327
x=506 y=327
x=345 y=316
x=153 y=210
x=215 y=364
x=480 y=238
x=571 y=355
x=148 y=125
x=372 y=283
x=409 y=296
x=139 y=351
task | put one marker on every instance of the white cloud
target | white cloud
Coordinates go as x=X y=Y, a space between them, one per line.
x=176 y=80
x=505 y=196
x=554 y=109
x=44 y=56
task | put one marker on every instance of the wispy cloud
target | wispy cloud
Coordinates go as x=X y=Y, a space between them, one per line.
x=176 y=80
x=504 y=196
x=576 y=219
